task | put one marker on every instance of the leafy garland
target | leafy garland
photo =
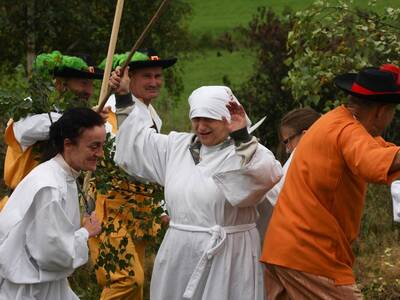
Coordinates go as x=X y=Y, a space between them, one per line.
x=109 y=180
x=39 y=96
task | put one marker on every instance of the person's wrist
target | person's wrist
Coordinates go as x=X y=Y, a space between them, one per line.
x=241 y=135
x=123 y=100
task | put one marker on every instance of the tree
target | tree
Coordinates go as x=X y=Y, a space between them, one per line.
x=298 y=56
x=319 y=51
x=30 y=26
x=263 y=94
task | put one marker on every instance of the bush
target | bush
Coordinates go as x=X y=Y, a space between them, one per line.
x=262 y=94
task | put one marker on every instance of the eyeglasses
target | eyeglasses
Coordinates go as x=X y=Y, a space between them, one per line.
x=287 y=140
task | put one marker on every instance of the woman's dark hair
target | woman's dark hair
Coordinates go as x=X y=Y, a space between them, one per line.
x=300 y=119
x=70 y=126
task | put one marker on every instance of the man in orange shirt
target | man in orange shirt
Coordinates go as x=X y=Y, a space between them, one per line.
x=307 y=248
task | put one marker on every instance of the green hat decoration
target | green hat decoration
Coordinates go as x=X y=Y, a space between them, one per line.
x=119 y=59
x=47 y=63
x=65 y=66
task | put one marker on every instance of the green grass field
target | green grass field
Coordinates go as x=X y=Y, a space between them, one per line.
x=223 y=15
x=205 y=67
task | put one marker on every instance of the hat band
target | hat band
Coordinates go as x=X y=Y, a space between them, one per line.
x=363 y=91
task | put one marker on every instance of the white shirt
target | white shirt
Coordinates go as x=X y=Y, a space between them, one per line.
x=395 y=190
x=34 y=128
x=41 y=242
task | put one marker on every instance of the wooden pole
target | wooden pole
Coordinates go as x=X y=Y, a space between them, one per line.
x=88 y=203
x=111 y=50
x=137 y=44
x=105 y=90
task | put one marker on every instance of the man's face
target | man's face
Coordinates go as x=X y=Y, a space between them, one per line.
x=146 y=83
x=82 y=88
x=85 y=152
x=210 y=132
x=384 y=117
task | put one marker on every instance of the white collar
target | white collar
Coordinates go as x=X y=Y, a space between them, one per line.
x=66 y=167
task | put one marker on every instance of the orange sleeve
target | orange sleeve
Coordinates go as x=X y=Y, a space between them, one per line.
x=9 y=137
x=366 y=156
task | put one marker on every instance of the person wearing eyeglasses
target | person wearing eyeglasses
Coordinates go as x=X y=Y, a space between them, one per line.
x=293 y=126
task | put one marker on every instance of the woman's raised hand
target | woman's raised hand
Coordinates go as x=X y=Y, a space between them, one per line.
x=238 y=116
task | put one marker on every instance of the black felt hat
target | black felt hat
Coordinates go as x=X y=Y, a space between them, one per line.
x=145 y=58
x=91 y=72
x=375 y=84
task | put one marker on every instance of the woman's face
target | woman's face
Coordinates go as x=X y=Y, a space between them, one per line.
x=210 y=132
x=84 y=154
x=290 y=138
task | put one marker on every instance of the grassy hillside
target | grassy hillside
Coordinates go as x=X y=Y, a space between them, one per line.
x=207 y=67
x=223 y=15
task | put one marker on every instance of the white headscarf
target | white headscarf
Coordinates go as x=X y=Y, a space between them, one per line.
x=210 y=102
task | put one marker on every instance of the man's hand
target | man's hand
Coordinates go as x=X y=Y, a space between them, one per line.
x=238 y=116
x=91 y=224
x=119 y=83
x=104 y=113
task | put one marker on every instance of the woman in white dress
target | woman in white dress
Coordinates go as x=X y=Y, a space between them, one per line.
x=213 y=180
x=41 y=238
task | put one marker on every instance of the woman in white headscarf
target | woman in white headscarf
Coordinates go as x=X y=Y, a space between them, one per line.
x=213 y=180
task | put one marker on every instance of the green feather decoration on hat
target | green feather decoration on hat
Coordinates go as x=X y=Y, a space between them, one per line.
x=46 y=63
x=119 y=59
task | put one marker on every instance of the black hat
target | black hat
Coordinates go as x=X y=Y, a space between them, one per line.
x=90 y=73
x=144 y=58
x=375 y=84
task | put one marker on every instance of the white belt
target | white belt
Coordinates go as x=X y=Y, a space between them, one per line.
x=217 y=241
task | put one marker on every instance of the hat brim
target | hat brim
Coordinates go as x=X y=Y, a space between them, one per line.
x=163 y=63
x=345 y=83
x=73 y=73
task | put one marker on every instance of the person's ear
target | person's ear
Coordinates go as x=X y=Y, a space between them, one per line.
x=67 y=144
x=381 y=111
x=60 y=85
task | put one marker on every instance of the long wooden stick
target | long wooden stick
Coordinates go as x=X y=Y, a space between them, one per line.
x=137 y=44
x=105 y=90
x=88 y=202
x=111 y=49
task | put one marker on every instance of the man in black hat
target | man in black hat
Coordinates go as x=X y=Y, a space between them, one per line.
x=135 y=90
x=70 y=73
x=307 y=249
x=77 y=80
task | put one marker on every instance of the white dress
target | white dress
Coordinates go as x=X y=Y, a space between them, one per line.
x=395 y=190
x=211 y=249
x=265 y=207
x=41 y=242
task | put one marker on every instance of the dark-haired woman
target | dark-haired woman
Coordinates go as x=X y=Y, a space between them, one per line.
x=292 y=127
x=41 y=238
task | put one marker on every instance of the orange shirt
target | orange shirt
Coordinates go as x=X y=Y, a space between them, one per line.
x=17 y=163
x=318 y=212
